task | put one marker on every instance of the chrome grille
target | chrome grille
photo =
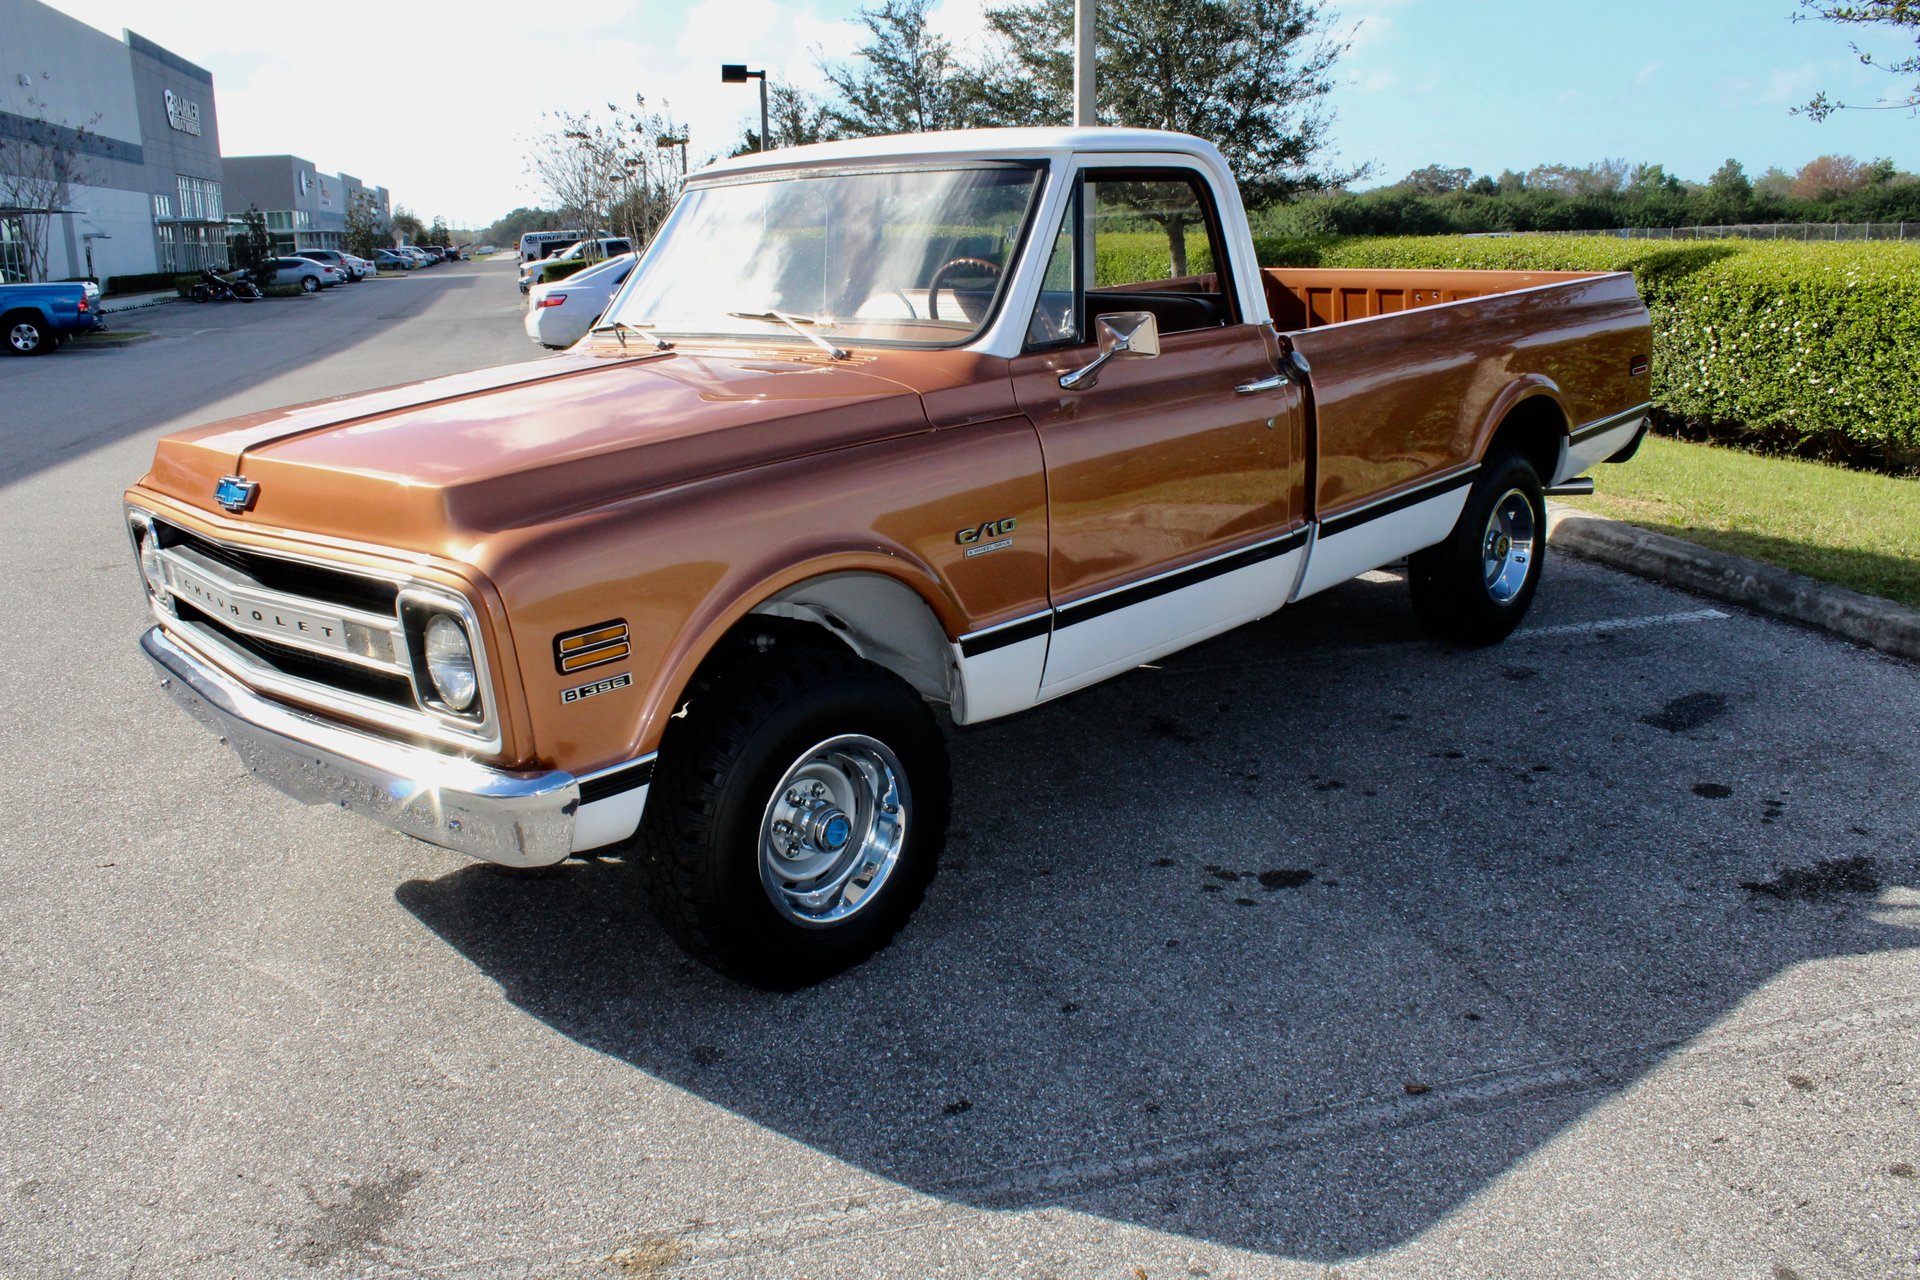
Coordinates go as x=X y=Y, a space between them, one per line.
x=338 y=639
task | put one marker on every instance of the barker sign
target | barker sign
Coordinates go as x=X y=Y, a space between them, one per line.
x=183 y=115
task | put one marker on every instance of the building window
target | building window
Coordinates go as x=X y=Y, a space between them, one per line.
x=185 y=247
x=162 y=208
x=13 y=251
x=199 y=199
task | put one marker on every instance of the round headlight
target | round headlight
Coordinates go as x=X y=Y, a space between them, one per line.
x=450 y=662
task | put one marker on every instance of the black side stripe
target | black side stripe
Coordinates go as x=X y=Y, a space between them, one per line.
x=1605 y=425
x=1081 y=611
x=1126 y=597
x=1413 y=497
x=638 y=774
x=1013 y=633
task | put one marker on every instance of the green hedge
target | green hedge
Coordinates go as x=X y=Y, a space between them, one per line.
x=1803 y=345
x=552 y=271
x=148 y=282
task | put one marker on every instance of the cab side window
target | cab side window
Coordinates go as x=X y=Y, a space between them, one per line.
x=1153 y=242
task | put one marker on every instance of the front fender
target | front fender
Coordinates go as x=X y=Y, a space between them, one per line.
x=682 y=567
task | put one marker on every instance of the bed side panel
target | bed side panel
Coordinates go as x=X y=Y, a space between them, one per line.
x=1403 y=396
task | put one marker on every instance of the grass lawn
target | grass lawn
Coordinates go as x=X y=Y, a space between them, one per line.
x=1859 y=530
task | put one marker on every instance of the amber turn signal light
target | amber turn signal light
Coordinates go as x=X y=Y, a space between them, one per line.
x=591 y=646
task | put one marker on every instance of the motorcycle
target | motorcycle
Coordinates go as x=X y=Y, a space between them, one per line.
x=212 y=285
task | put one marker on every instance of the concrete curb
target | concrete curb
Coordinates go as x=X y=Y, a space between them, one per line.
x=1880 y=624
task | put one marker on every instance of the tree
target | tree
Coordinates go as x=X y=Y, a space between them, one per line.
x=1436 y=180
x=1250 y=75
x=253 y=247
x=1902 y=15
x=363 y=226
x=1603 y=177
x=42 y=160
x=1647 y=179
x=407 y=225
x=613 y=174
x=795 y=118
x=1730 y=182
x=1775 y=183
x=905 y=78
x=437 y=233
x=1825 y=176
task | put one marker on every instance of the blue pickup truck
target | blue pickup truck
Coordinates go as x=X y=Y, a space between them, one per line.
x=36 y=318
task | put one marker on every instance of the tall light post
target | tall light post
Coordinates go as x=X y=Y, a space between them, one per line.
x=1085 y=42
x=737 y=73
x=667 y=141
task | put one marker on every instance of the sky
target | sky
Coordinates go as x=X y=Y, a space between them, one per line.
x=1480 y=84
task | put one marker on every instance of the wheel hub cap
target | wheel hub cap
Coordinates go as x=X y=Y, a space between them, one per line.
x=833 y=830
x=1507 y=550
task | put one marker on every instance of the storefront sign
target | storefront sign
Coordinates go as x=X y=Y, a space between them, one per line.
x=183 y=115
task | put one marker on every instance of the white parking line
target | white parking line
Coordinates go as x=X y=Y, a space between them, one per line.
x=1622 y=624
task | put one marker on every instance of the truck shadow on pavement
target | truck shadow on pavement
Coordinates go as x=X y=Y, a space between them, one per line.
x=1283 y=944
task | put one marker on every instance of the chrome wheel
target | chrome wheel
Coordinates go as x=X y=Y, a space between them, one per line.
x=24 y=338
x=833 y=830
x=1506 y=550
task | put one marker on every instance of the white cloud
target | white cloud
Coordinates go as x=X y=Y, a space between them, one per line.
x=1791 y=85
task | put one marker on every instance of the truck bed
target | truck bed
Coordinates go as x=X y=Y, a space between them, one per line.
x=1309 y=297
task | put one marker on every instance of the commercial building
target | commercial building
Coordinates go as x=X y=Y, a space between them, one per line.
x=110 y=160
x=305 y=208
x=109 y=152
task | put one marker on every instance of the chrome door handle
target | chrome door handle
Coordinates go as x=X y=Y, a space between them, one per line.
x=1274 y=383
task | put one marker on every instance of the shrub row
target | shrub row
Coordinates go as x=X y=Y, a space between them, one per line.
x=1809 y=347
x=551 y=271
x=147 y=282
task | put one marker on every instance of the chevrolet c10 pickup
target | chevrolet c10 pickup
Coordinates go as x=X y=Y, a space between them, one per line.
x=966 y=421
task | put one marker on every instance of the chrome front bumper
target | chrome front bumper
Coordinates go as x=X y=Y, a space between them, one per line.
x=531 y=819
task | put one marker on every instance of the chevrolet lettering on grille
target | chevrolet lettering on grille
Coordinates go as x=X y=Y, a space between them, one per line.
x=273 y=622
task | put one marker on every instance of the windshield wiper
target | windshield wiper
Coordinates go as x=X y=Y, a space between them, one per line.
x=619 y=330
x=794 y=323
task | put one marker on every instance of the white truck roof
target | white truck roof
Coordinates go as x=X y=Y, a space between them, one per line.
x=971 y=144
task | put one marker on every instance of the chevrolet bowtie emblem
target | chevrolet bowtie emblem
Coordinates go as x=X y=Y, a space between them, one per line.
x=236 y=494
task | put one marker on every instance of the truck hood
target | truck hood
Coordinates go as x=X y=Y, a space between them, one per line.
x=434 y=464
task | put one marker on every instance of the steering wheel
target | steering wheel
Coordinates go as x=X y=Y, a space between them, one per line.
x=939 y=273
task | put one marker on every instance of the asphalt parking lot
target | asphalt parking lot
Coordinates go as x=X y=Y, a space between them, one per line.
x=1319 y=949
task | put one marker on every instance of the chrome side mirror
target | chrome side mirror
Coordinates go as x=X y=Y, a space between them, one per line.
x=1122 y=333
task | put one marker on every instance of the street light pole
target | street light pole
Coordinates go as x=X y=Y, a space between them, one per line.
x=1084 y=48
x=737 y=73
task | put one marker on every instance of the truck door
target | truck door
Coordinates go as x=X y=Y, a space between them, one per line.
x=1174 y=481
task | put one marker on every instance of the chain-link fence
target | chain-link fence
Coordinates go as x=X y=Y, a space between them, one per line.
x=1766 y=231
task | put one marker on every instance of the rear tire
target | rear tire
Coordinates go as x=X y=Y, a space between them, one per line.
x=309 y=284
x=26 y=335
x=1475 y=587
x=797 y=816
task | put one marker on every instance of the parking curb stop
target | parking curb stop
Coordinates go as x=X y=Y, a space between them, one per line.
x=1879 y=624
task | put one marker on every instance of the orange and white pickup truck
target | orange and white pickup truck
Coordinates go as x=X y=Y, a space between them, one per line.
x=966 y=420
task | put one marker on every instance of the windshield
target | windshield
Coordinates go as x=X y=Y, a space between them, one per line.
x=898 y=256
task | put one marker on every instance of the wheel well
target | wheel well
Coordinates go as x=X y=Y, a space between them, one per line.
x=880 y=619
x=1535 y=429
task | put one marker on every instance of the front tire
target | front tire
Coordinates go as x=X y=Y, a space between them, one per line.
x=1475 y=587
x=797 y=816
